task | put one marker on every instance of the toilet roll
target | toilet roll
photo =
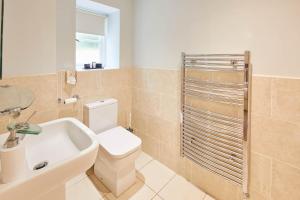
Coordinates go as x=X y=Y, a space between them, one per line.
x=70 y=100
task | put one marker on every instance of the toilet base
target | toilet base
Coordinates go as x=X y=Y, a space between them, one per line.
x=117 y=175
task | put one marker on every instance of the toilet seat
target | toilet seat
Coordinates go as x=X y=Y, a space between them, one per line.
x=118 y=142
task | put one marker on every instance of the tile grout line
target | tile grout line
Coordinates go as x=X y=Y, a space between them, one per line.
x=145 y=165
x=103 y=193
x=77 y=182
x=271 y=180
x=156 y=193
x=166 y=183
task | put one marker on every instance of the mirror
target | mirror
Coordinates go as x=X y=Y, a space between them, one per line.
x=14 y=98
x=1 y=34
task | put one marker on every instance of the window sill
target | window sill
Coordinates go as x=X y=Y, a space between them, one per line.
x=100 y=69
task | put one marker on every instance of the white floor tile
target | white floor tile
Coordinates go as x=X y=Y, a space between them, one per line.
x=139 y=191
x=208 y=198
x=157 y=198
x=84 y=189
x=179 y=189
x=142 y=160
x=76 y=179
x=156 y=175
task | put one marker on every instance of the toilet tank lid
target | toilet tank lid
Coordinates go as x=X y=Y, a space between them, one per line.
x=98 y=103
x=118 y=142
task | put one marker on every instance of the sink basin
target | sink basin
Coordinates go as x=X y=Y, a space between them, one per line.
x=64 y=149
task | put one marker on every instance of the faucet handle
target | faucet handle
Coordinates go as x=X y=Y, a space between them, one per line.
x=27 y=128
x=22 y=128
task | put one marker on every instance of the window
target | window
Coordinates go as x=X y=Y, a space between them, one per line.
x=98 y=34
x=89 y=48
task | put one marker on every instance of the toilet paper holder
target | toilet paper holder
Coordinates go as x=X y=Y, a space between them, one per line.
x=72 y=99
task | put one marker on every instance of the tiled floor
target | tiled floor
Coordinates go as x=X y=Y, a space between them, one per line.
x=154 y=182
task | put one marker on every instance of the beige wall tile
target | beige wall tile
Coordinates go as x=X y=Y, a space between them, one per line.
x=228 y=77
x=150 y=145
x=286 y=99
x=88 y=83
x=187 y=167
x=260 y=176
x=261 y=96
x=90 y=86
x=139 y=78
x=70 y=110
x=158 y=128
x=286 y=182
x=169 y=155
x=146 y=101
x=164 y=81
x=202 y=75
x=40 y=116
x=276 y=139
x=257 y=196
x=44 y=88
x=115 y=77
x=169 y=107
x=139 y=121
x=163 y=130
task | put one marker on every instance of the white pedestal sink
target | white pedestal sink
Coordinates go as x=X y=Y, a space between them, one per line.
x=67 y=146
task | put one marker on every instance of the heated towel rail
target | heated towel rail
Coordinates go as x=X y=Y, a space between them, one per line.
x=217 y=141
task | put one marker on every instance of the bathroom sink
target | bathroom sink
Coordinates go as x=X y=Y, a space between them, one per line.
x=64 y=149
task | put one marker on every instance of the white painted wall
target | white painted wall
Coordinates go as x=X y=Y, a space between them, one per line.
x=270 y=29
x=39 y=35
x=65 y=34
x=29 y=44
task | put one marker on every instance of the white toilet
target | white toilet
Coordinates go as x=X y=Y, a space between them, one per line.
x=118 y=148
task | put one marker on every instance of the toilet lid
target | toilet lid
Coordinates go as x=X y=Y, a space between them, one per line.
x=118 y=142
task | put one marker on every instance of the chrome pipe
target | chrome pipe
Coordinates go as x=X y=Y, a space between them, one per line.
x=214 y=114
x=213 y=169
x=222 y=170
x=235 y=122
x=227 y=163
x=206 y=68
x=226 y=139
x=215 y=141
x=214 y=55
x=215 y=145
x=238 y=86
x=214 y=98
x=215 y=123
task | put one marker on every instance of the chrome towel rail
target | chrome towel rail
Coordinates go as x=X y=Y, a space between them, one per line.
x=215 y=141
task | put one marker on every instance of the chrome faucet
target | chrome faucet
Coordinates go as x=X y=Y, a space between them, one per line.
x=20 y=128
